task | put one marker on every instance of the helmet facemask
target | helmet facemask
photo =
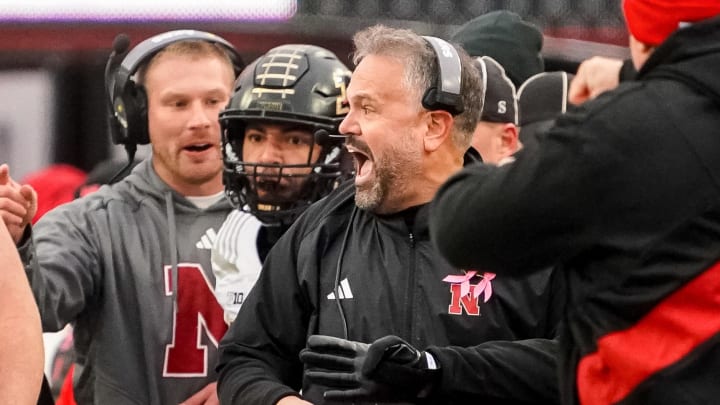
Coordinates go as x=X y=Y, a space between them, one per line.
x=301 y=86
x=276 y=193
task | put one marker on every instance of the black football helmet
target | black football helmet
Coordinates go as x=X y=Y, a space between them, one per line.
x=302 y=85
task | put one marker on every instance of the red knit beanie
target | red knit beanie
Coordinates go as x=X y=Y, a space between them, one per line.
x=652 y=21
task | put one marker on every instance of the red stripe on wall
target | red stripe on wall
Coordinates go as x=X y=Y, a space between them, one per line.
x=677 y=325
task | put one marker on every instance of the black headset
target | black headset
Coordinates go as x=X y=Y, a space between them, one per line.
x=128 y=100
x=445 y=95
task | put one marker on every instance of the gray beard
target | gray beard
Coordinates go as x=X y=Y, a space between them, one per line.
x=393 y=179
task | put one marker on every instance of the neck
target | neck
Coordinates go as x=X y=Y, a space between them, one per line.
x=201 y=188
x=435 y=171
x=439 y=167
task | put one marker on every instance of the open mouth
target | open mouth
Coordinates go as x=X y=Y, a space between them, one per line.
x=272 y=192
x=267 y=186
x=363 y=163
x=198 y=148
x=359 y=157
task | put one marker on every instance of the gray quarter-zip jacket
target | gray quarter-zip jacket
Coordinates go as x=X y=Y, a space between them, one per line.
x=108 y=262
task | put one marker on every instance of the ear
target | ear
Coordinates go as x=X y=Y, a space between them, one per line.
x=439 y=127
x=510 y=141
x=647 y=48
x=639 y=51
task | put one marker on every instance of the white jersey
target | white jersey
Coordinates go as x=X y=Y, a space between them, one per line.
x=235 y=261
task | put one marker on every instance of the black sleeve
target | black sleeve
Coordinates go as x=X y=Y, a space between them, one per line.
x=505 y=372
x=610 y=177
x=259 y=361
x=529 y=214
x=498 y=372
x=627 y=71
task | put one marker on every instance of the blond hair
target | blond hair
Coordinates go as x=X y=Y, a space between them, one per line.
x=193 y=48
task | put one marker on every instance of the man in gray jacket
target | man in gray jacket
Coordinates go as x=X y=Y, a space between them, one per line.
x=130 y=263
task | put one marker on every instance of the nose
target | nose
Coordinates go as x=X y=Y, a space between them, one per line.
x=201 y=116
x=271 y=153
x=349 y=125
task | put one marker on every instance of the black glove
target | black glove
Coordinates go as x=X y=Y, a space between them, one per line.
x=389 y=369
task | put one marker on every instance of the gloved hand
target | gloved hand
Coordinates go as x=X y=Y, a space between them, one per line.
x=389 y=369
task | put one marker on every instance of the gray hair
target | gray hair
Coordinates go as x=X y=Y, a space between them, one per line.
x=421 y=71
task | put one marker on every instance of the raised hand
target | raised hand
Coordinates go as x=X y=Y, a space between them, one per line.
x=594 y=76
x=18 y=204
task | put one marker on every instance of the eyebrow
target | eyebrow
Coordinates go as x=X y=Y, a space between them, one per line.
x=212 y=92
x=362 y=95
x=293 y=128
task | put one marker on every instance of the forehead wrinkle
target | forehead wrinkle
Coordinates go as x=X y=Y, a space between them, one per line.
x=361 y=95
x=375 y=94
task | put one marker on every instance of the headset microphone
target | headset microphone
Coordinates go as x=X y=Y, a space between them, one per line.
x=321 y=136
x=121 y=43
x=120 y=46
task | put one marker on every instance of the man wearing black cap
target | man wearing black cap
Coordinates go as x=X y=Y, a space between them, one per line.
x=496 y=135
x=632 y=215
x=541 y=99
x=515 y=44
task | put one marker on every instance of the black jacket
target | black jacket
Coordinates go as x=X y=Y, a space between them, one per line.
x=390 y=281
x=625 y=193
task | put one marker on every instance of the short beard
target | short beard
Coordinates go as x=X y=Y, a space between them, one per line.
x=370 y=199
x=394 y=170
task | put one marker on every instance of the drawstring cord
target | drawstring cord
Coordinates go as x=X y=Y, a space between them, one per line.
x=170 y=211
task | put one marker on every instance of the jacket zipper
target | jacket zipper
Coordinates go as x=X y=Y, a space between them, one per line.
x=411 y=289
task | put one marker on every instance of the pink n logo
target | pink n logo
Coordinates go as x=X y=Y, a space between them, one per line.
x=465 y=295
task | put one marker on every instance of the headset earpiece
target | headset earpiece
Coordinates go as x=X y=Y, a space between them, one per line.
x=140 y=111
x=445 y=95
x=128 y=118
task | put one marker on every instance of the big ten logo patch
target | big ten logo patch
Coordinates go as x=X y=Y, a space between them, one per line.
x=464 y=296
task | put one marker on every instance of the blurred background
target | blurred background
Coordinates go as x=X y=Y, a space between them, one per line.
x=53 y=53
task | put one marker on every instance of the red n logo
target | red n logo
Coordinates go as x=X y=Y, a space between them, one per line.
x=197 y=311
x=468 y=301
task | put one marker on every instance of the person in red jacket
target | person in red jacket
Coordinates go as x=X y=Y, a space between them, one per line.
x=624 y=194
